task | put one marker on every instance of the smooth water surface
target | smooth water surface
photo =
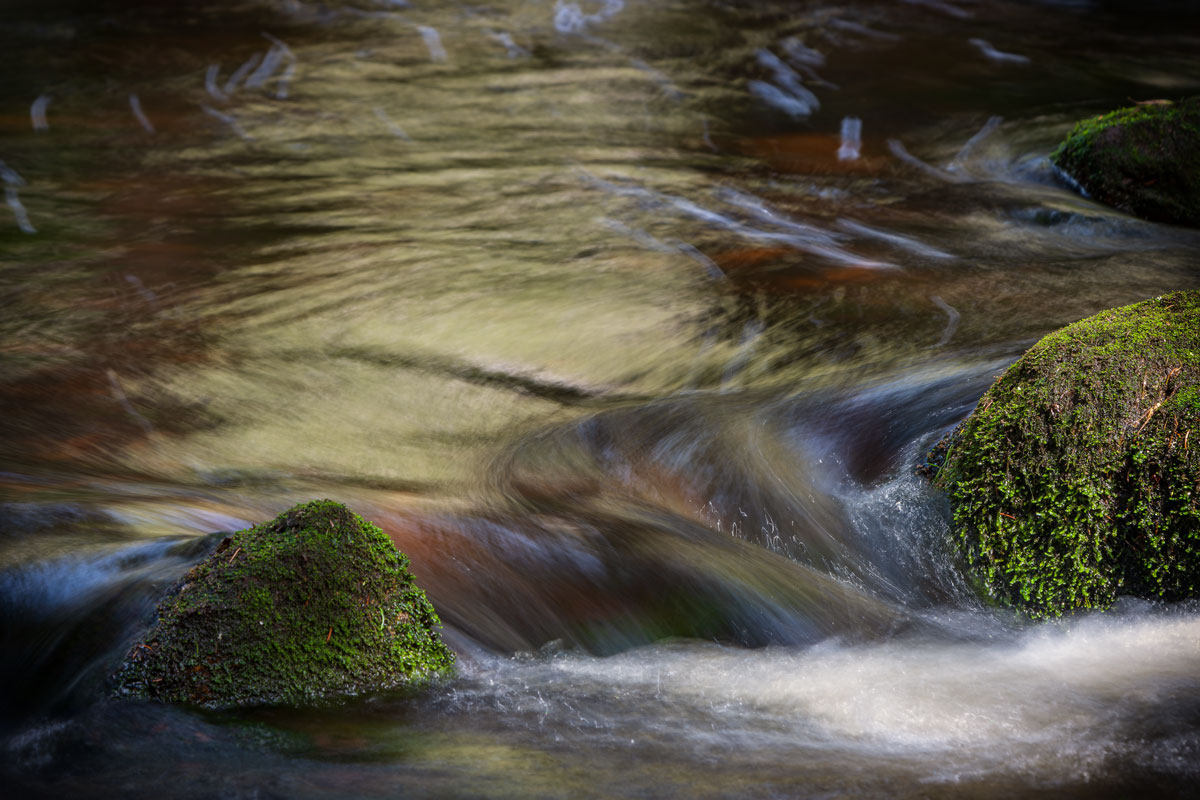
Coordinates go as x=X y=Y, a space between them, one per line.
x=628 y=321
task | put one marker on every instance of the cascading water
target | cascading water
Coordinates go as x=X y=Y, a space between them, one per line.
x=629 y=322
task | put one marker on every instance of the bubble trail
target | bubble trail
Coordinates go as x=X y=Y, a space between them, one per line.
x=504 y=38
x=266 y=69
x=951 y=325
x=863 y=30
x=969 y=146
x=945 y=8
x=135 y=105
x=229 y=120
x=774 y=96
x=787 y=78
x=392 y=127
x=210 y=82
x=798 y=52
x=851 y=145
x=241 y=72
x=895 y=239
x=992 y=54
x=433 y=41
x=901 y=153
x=12 y=180
x=37 y=113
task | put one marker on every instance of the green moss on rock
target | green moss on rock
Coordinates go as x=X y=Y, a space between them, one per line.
x=313 y=605
x=1077 y=477
x=1144 y=160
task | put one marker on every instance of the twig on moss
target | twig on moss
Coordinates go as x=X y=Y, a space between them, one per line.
x=1167 y=392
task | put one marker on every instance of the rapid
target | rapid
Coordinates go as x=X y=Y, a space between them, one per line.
x=629 y=322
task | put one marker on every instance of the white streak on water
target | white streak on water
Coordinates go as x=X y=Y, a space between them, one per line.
x=803 y=59
x=945 y=8
x=19 y=214
x=895 y=239
x=863 y=30
x=281 y=88
x=505 y=38
x=710 y=266
x=149 y=296
x=851 y=145
x=135 y=105
x=10 y=175
x=658 y=77
x=951 y=325
x=992 y=54
x=707 y=138
x=229 y=120
x=43 y=586
x=802 y=237
x=965 y=151
x=675 y=246
x=1059 y=702
x=761 y=211
x=392 y=127
x=361 y=14
x=569 y=17
x=231 y=85
x=433 y=42
x=786 y=77
x=774 y=96
x=266 y=69
x=119 y=395
x=908 y=158
x=12 y=180
x=797 y=51
x=275 y=40
x=210 y=82
x=1070 y=181
x=37 y=113
x=637 y=234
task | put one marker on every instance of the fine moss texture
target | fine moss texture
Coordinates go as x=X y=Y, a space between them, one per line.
x=313 y=605
x=1077 y=477
x=1144 y=160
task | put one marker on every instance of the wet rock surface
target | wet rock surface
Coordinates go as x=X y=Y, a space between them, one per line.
x=314 y=605
x=1144 y=160
x=1075 y=479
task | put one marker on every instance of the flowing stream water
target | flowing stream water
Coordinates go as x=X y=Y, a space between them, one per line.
x=629 y=322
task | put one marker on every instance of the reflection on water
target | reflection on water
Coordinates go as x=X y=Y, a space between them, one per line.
x=627 y=321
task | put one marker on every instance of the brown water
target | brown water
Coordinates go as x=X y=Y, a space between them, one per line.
x=580 y=304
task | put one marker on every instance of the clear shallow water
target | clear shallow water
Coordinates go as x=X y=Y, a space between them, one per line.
x=582 y=307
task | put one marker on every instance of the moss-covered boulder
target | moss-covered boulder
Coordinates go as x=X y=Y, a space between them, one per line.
x=1077 y=477
x=311 y=606
x=1144 y=160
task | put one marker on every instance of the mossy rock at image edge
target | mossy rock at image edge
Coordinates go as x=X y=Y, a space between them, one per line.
x=1076 y=479
x=314 y=605
x=1144 y=160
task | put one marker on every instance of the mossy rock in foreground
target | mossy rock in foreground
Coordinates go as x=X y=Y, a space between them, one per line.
x=311 y=606
x=1077 y=477
x=1144 y=160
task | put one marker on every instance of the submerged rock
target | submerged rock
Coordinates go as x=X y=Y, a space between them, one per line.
x=1144 y=160
x=313 y=605
x=1077 y=477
